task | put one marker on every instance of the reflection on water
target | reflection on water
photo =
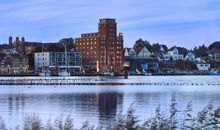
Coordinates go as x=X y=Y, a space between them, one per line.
x=107 y=106
x=97 y=104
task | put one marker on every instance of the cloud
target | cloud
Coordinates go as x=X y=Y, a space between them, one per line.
x=157 y=20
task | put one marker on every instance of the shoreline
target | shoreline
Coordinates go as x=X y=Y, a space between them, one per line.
x=36 y=75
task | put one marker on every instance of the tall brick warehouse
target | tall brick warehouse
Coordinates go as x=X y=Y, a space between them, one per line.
x=102 y=50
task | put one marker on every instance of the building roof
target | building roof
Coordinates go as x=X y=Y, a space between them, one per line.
x=214 y=50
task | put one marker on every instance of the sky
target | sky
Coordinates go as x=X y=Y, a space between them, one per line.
x=186 y=23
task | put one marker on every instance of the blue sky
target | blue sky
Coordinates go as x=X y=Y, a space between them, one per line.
x=185 y=23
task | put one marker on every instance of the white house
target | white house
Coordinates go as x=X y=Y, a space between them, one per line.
x=145 y=52
x=190 y=56
x=202 y=66
x=174 y=54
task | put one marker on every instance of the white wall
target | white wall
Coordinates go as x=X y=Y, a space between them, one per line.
x=41 y=59
x=203 y=66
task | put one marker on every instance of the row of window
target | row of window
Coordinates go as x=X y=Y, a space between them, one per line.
x=86 y=43
x=85 y=39
x=58 y=54
x=87 y=47
x=41 y=58
x=90 y=57
x=58 y=63
x=202 y=65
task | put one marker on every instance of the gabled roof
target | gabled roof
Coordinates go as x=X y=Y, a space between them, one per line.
x=126 y=52
x=132 y=51
x=127 y=49
x=158 y=54
x=144 y=50
x=190 y=51
x=13 y=51
x=162 y=49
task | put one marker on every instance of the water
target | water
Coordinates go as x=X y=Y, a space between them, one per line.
x=101 y=104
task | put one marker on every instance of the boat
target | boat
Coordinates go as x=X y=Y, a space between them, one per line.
x=64 y=73
x=45 y=73
x=148 y=74
x=107 y=74
x=214 y=72
x=140 y=73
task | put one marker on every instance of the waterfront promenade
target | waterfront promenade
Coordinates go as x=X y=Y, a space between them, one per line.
x=99 y=80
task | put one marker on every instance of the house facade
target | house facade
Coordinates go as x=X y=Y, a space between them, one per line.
x=190 y=57
x=58 y=60
x=174 y=54
x=202 y=66
x=214 y=55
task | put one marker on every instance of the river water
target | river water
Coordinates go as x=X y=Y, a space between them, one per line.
x=101 y=104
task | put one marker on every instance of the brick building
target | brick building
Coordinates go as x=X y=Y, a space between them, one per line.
x=102 y=50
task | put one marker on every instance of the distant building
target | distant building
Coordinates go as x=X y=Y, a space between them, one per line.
x=58 y=60
x=102 y=50
x=132 y=52
x=174 y=54
x=202 y=66
x=162 y=55
x=214 y=55
x=140 y=62
x=145 y=52
x=190 y=56
x=14 y=64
